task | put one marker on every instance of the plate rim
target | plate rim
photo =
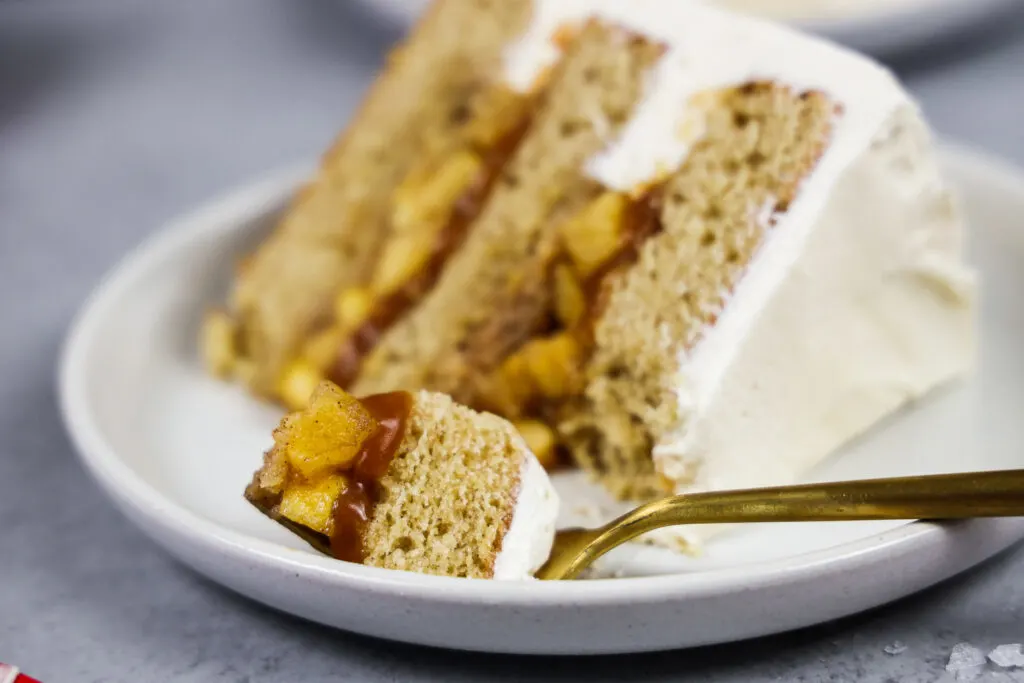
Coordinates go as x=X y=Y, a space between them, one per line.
x=172 y=524
x=905 y=29
x=880 y=32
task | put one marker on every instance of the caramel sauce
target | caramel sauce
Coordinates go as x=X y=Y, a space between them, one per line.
x=354 y=507
x=389 y=309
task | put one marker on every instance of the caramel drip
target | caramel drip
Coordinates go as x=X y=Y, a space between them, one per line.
x=391 y=308
x=354 y=507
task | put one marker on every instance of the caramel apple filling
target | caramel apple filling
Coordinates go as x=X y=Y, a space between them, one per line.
x=324 y=470
x=533 y=383
x=432 y=212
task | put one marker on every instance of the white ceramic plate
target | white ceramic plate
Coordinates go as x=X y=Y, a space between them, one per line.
x=174 y=449
x=875 y=26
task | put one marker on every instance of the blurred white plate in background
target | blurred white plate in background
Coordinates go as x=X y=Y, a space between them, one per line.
x=877 y=27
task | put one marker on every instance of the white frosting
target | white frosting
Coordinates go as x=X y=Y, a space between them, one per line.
x=707 y=49
x=527 y=543
x=839 y=321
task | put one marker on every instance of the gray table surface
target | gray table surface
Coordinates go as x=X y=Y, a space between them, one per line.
x=116 y=115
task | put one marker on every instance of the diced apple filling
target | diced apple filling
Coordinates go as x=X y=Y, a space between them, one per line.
x=548 y=369
x=327 y=435
x=352 y=307
x=217 y=344
x=312 y=505
x=423 y=202
x=299 y=380
x=314 y=452
x=570 y=300
x=594 y=235
x=322 y=351
x=541 y=440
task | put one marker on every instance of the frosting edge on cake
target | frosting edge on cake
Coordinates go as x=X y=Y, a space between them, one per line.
x=894 y=320
x=531 y=533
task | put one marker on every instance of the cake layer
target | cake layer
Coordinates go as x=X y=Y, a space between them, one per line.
x=465 y=497
x=329 y=237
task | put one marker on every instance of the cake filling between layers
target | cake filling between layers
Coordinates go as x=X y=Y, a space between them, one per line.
x=432 y=212
x=330 y=232
x=636 y=280
x=392 y=306
x=538 y=379
x=494 y=294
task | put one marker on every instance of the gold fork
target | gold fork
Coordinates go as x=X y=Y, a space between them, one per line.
x=944 y=496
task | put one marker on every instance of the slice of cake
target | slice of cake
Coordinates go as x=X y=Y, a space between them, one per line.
x=707 y=252
x=409 y=481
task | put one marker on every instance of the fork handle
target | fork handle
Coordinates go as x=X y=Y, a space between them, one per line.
x=943 y=496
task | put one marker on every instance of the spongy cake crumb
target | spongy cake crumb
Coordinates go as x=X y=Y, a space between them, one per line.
x=449 y=495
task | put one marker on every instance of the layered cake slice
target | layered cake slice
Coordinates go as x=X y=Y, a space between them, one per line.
x=459 y=141
x=706 y=252
x=409 y=481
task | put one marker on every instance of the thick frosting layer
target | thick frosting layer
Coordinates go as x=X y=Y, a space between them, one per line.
x=707 y=49
x=527 y=543
x=833 y=327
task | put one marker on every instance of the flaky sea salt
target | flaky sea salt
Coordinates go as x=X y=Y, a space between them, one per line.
x=1007 y=656
x=966 y=662
x=897 y=647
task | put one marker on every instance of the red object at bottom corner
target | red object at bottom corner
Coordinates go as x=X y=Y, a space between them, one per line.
x=11 y=674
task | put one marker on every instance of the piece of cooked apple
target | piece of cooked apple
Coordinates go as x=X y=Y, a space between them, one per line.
x=554 y=364
x=595 y=234
x=327 y=435
x=570 y=300
x=352 y=307
x=423 y=202
x=312 y=504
